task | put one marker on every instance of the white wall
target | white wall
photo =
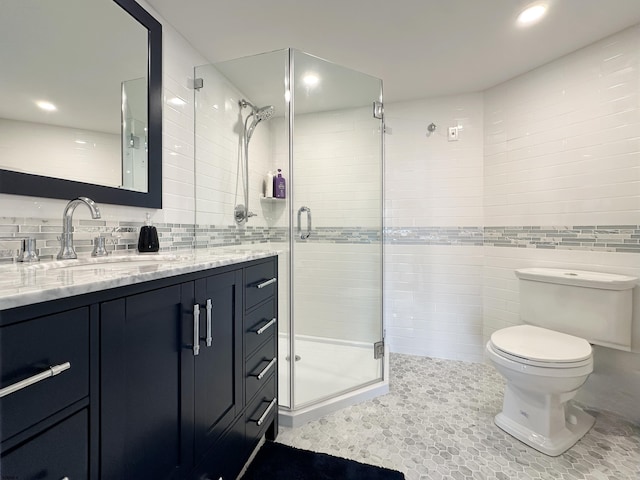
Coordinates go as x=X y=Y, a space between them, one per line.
x=433 y=188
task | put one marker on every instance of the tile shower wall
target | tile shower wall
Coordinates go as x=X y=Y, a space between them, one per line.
x=433 y=233
x=336 y=175
x=562 y=154
x=178 y=184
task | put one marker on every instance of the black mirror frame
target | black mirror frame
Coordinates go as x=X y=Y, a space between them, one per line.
x=17 y=183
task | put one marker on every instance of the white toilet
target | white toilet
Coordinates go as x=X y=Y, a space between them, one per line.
x=546 y=360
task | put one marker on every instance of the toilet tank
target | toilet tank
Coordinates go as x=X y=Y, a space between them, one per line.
x=591 y=305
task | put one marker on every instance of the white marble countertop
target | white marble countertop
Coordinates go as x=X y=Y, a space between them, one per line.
x=27 y=283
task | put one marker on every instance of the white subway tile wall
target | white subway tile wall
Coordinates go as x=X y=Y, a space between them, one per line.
x=433 y=233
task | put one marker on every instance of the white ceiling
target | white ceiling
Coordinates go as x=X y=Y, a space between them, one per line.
x=419 y=48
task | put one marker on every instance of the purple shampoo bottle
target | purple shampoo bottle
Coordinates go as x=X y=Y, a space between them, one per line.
x=279 y=186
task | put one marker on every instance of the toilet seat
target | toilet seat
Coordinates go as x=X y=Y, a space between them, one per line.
x=541 y=347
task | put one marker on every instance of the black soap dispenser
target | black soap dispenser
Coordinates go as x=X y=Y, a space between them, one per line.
x=148 y=240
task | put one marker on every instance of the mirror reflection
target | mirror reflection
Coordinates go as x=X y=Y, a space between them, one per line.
x=73 y=92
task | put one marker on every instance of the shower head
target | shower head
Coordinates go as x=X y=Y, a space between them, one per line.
x=259 y=114
x=264 y=113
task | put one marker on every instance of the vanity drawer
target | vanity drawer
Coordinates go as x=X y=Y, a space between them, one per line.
x=260 y=368
x=260 y=283
x=261 y=411
x=27 y=351
x=259 y=325
x=60 y=452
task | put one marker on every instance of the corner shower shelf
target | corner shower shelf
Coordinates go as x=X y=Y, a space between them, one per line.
x=272 y=199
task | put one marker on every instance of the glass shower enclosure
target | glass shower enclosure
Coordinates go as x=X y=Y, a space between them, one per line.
x=320 y=125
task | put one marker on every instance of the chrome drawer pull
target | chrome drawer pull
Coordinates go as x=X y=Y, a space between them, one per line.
x=209 y=308
x=266 y=369
x=51 y=372
x=196 y=329
x=260 y=331
x=262 y=418
x=267 y=283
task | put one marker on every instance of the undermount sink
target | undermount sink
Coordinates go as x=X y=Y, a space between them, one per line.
x=124 y=262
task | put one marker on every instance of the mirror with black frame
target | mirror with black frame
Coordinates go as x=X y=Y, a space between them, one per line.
x=81 y=101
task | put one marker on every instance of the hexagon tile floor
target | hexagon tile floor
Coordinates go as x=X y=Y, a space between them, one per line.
x=437 y=423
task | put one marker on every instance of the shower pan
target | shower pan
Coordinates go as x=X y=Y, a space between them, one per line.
x=325 y=132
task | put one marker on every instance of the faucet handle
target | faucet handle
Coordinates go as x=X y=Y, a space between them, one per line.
x=99 y=247
x=28 y=253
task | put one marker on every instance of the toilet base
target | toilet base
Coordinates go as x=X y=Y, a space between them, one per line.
x=581 y=422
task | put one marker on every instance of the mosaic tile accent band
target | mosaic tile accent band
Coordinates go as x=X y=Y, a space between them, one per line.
x=174 y=236
x=605 y=238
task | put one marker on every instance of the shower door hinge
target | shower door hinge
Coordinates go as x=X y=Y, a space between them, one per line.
x=378 y=110
x=198 y=83
x=378 y=350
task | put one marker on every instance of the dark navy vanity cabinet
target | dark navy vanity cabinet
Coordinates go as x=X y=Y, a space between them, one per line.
x=173 y=378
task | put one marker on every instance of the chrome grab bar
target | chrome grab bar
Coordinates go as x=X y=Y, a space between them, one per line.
x=196 y=329
x=261 y=330
x=304 y=236
x=267 y=283
x=50 y=372
x=262 y=418
x=265 y=369
x=209 y=333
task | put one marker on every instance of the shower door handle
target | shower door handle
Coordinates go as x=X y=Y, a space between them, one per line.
x=307 y=210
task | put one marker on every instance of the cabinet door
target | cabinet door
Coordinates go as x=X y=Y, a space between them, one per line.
x=146 y=380
x=218 y=365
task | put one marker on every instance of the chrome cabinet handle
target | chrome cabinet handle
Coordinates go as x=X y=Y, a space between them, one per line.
x=262 y=418
x=50 y=372
x=267 y=283
x=306 y=210
x=196 y=329
x=261 y=330
x=265 y=369
x=209 y=333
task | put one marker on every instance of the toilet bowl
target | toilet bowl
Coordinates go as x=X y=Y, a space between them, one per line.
x=544 y=370
x=548 y=358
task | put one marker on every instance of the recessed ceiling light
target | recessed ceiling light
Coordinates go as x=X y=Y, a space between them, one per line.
x=532 y=14
x=48 y=106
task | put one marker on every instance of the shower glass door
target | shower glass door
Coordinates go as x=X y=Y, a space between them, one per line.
x=335 y=200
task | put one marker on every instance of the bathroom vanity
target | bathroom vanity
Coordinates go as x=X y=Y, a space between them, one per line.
x=158 y=371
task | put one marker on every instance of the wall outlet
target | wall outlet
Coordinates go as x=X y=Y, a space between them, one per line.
x=453 y=134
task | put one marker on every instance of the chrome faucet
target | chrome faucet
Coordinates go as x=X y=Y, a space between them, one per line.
x=66 y=240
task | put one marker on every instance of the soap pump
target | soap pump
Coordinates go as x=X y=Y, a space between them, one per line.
x=148 y=239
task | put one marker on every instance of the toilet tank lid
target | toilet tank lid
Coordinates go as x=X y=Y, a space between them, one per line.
x=579 y=278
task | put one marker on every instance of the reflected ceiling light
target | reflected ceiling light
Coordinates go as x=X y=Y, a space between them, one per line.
x=287 y=96
x=81 y=142
x=48 y=106
x=310 y=79
x=177 y=101
x=532 y=14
